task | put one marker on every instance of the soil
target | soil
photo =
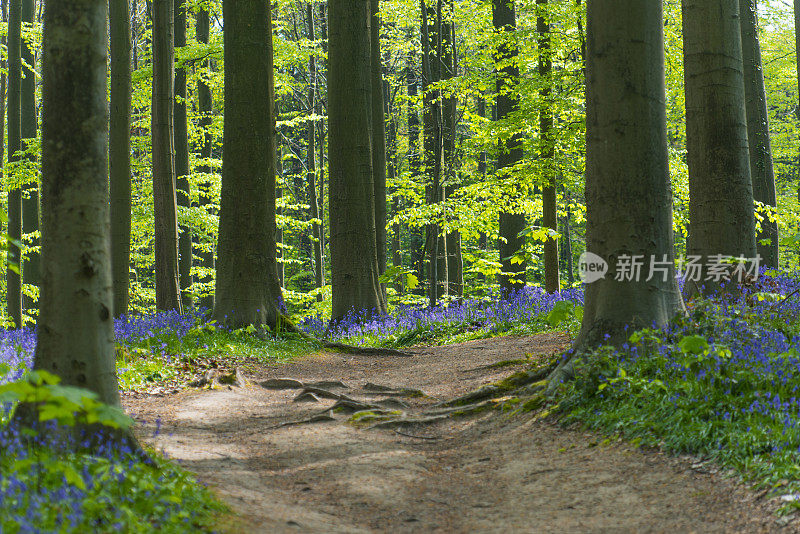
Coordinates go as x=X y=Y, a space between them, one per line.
x=490 y=472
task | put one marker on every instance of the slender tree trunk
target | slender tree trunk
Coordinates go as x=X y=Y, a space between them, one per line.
x=432 y=144
x=164 y=200
x=181 y=137
x=761 y=169
x=354 y=255
x=720 y=190
x=483 y=239
x=13 y=280
x=509 y=152
x=279 y=213
x=119 y=152
x=416 y=239
x=75 y=334
x=311 y=176
x=628 y=196
x=31 y=271
x=205 y=105
x=552 y=282
x=378 y=138
x=248 y=290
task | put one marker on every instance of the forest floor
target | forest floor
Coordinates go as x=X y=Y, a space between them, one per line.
x=490 y=472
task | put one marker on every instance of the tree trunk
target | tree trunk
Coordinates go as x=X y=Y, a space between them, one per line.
x=762 y=172
x=119 y=154
x=416 y=240
x=181 y=138
x=432 y=145
x=31 y=271
x=552 y=283
x=720 y=191
x=13 y=280
x=311 y=175
x=354 y=255
x=483 y=239
x=164 y=201
x=628 y=196
x=205 y=107
x=510 y=152
x=75 y=333
x=378 y=137
x=248 y=290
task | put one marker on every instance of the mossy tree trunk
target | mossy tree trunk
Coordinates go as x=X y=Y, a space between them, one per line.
x=721 y=220
x=162 y=130
x=628 y=194
x=119 y=151
x=354 y=255
x=75 y=337
x=248 y=291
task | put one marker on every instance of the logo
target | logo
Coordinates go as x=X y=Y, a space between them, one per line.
x=591 y=267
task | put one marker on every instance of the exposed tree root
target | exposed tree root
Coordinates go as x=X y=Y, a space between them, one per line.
x=318 y=418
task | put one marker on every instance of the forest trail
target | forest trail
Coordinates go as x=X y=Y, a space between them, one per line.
x=484 y=473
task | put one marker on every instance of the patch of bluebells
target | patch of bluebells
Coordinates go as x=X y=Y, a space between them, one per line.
x=492 y=314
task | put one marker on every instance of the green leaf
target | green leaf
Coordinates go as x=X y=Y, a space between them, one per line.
x=693 y=344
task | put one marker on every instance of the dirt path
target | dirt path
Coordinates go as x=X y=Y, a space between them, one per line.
x=489 y=473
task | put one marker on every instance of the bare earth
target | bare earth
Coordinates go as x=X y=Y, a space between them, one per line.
x=486 y=473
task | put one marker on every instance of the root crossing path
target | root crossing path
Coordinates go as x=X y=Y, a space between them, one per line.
x=285 y=462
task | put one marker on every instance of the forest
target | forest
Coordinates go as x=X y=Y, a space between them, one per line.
x=399 y=265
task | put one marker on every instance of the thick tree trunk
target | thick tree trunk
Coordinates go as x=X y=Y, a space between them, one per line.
x=354 y=255
x=164 y=200
x=311 y=175
x=721 y=194
x=628 y=196
x=205 y=107
x=119 y=153
x=762 y=172
x=509 y=152
x=181 y=137
x=75 y=334
x=378 y=137
x=248 y=291
x=552 y=282
x=31 y=270
x=13 y=280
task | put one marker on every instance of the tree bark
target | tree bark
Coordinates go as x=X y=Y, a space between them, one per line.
x=720 y=190
x=162 y=130
x=510 y=152
x=75 y=334
x=552 y=282
x=248 y=291
x=181 y=139
x=416 y=241
x=628 y=196
x=762 y=172
x=119 y=152
x=354 y=255
x=31 y=270
x=13 y=279
x=311 y=175
x=378 y=137
x=205 y=107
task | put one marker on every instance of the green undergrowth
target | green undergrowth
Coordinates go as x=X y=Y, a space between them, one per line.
x=721 y=385
x=169 y=361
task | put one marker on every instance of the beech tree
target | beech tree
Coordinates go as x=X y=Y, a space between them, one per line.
x=31 y=267
x=205 y=105
x=720 y=191
x=13 y=279
x=164 y=196
x=75 y=334
x=354 y=256
x=512 y=223
x=119 y=151
x=247 y=288
x=181 y=137
x=762 y=172
x=628 y=192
